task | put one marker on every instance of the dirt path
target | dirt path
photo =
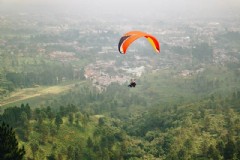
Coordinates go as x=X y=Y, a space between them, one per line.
x=28 y=93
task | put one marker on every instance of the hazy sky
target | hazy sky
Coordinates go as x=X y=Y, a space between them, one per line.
x=129 y=7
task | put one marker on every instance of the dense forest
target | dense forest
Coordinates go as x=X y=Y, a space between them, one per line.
x=139 y=123
x=208 y=129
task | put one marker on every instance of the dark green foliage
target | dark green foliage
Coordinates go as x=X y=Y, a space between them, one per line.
x=50 y=113
x=229 y=150
x=58 y=120
x=213 y=153
x=220 y=147
x=17 y=116
x=51 y=157
x=75 y=153
x=53 y=130
x=238 y=149
x=9 y=145
x=182 y=155
x=167 y=141
x=101 y=121
x=205 y=129
x=70 y=118
x=90 y=143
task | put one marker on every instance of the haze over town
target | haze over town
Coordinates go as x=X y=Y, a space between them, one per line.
x=121 y=9
x=64 y=86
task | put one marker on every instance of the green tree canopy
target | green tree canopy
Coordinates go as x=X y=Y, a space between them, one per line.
x=9 y=145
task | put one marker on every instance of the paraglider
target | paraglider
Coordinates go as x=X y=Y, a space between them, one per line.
x=132 y=84
x=128 y=38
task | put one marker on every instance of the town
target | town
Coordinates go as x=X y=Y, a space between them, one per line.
x=95 y=46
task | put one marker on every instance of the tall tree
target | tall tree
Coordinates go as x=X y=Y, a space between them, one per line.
x=230 y=150
x=70 y=118
x=25 y=125
x=50 y=113
x=53 y=131
x=9 y=144
x=58 y=121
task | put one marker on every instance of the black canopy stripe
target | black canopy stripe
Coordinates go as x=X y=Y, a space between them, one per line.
x=121 y=41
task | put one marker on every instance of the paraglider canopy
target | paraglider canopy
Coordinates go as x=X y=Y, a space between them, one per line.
x=129 y=37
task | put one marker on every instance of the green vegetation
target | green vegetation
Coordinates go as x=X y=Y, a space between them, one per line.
x=9 y=144
x=185 y=106
x=38 y=95
x=152 y=121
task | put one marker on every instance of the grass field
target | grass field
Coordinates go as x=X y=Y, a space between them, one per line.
x=36 y=94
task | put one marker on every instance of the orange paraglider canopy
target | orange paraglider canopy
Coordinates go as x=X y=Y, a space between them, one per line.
x=129 y=37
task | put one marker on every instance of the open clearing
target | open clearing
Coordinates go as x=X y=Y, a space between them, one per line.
x=27 y=93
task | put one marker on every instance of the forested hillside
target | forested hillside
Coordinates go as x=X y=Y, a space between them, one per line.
x=139 y=123
x=208 y=129
x=64 y=91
